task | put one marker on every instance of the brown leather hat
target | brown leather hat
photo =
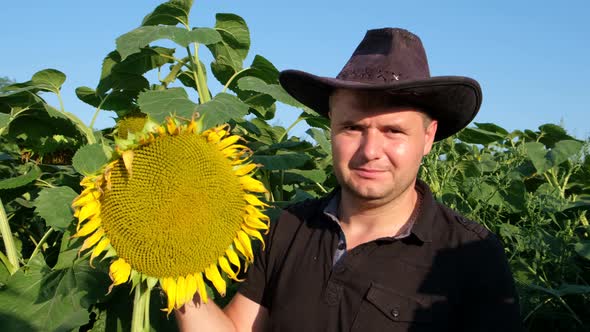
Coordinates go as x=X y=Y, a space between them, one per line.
x=393 y=60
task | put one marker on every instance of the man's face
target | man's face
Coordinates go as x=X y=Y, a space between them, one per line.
x=377 y=149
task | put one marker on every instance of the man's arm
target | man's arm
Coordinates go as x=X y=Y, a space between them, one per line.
x=241 y=314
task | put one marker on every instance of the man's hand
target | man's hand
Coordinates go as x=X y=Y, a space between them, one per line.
x=241 y=314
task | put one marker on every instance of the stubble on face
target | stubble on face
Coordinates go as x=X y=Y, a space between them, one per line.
x=377 y=148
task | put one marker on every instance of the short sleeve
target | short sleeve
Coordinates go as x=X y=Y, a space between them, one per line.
x=259 y=278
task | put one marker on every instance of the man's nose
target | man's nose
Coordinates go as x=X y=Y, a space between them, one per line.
x=371 y=145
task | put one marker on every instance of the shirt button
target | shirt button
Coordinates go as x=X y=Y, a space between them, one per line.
x=395 y=313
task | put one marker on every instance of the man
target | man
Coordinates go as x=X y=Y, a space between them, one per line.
x=379 y=253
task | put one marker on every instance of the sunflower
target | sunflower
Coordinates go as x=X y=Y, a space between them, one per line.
x=177 y=206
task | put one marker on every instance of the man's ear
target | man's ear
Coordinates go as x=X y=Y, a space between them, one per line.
x=429 y=134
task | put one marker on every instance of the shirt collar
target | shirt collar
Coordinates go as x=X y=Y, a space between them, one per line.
x=423 y=215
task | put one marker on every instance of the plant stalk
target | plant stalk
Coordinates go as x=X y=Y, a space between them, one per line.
x=140 y=319
x=6 y=233
x=41 y=242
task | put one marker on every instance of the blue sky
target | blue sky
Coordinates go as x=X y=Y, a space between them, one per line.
x=531 y=57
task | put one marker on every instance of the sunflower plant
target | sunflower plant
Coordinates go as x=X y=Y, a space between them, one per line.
x=170 y=203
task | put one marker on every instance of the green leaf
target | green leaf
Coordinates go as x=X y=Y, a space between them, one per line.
x=89 y=159
x=163 y=103
x=53 y=205
x=49 y=80
x=478 y=136
x=222 y=108
x=321 y=137
x=583 y=248
x=170 y=13
x=231 y=51
x=37 y=298
x=313 y=175
x=114 y=101
x=21 y=180
x=4 y=120
x=282 y=161
x=536 y=153
x=563 y=150
x=491 y=127
x=134 y=40
x=274 y=90
x=264 y=69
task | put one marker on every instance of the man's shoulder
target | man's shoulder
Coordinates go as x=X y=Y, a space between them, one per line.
x=462 y=225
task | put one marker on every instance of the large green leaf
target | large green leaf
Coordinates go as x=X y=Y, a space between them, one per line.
x=536 y=153
x=492 y=127
x=163 y=103
x=49 y=80
x=321 y=137
x=170 y=13
x=221 y=109
x=282 y=161
x=274 y=90
x=478 y=136
x=31 y=175
x=53 y=205
x=264 y=69
x=231 y=51
x=37 y=298
x=89 y=159
x=134 y=40
x=563 y=150
x=114 y=101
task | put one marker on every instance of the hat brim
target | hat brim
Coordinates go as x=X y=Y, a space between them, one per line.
x=452 y=100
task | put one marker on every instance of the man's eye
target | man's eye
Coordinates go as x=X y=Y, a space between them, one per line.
x=353 y=128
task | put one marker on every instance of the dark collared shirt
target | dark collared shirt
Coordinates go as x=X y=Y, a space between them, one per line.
x=448 y=274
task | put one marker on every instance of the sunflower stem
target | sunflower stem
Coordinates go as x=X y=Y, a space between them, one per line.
x=140 y=308
x=6 y=233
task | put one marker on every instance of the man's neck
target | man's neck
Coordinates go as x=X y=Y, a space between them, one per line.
x=366 y=220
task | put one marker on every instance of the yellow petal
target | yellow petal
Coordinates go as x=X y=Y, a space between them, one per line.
x=251 y=184
x=86 y=196
x=100 y=247
x=255 y=223
x=89 y=210
x=92 y=239
x=171 y=126
x=180 y=292
x=224 y=265
x=253 y=200
x=192 y=127
x=228 y=141
x=128 y=161
x=240 y=247
x=170 y=293
x=245 y=240
x=119 y=271
x=253 y=211
x=212 y=273
x=253 y=233
x=233 y=257
x=88 y=227
x=201 y=288
x=245 y=169
x=191 y=287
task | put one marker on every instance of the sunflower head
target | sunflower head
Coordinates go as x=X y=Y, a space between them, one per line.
x=131 y=123
x=178 y=205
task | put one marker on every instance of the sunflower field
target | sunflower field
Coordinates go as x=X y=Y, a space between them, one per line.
x=110 y=229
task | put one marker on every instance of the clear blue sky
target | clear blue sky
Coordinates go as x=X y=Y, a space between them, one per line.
x=531 y=57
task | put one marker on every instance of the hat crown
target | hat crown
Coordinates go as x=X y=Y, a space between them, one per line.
x=387 y=55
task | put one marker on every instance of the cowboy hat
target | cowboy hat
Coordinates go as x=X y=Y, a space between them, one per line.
x=393 y=60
